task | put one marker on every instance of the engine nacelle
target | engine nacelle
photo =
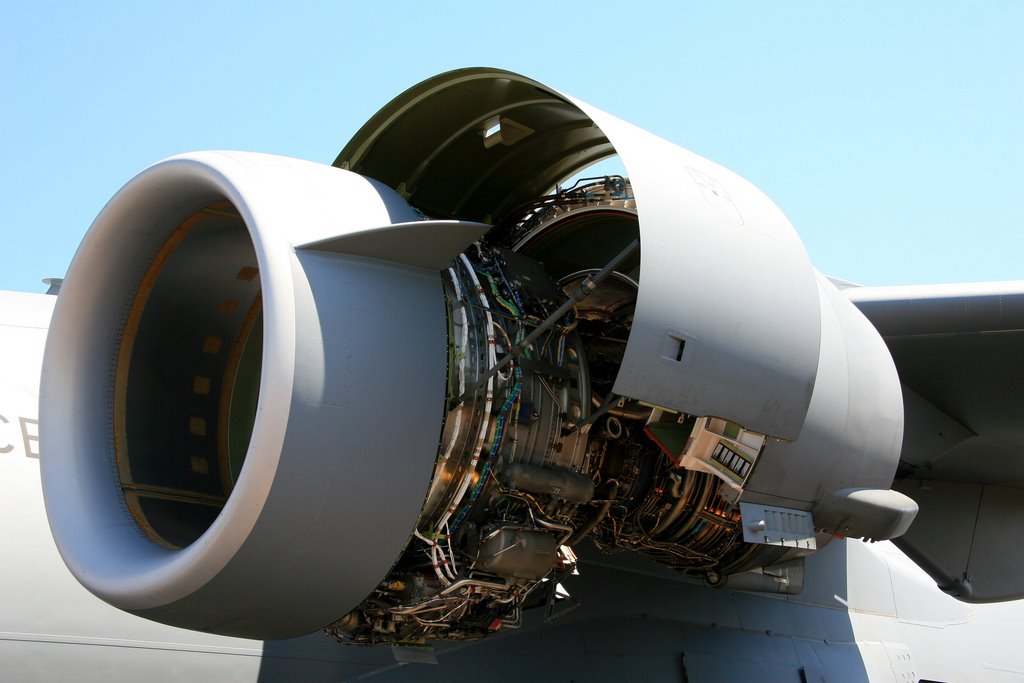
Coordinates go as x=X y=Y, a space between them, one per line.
x=277 y=398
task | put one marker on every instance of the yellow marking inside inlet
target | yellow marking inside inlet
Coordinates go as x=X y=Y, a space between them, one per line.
x=247 y=273
x=197 y=426
x=200 y=465
x=212 y=344
x=201 y=385
x=227 y=307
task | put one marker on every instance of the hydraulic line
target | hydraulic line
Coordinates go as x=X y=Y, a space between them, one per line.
x=585 y=288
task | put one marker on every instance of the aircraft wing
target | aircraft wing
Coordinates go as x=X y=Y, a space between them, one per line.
x=959 y=352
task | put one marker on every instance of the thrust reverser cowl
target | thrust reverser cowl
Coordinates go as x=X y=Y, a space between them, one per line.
x=153 y=363
x=723 y=273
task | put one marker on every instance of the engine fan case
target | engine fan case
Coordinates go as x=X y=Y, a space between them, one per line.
x=350 y=403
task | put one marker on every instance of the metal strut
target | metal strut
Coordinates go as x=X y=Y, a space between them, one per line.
x=584 y=289
x=611 y=401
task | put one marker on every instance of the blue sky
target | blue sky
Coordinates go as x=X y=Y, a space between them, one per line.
x=892 y=134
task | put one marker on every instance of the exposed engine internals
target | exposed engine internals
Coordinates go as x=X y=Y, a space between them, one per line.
x=538 y=452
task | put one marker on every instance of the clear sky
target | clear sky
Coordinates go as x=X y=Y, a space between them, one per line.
x=891 y=133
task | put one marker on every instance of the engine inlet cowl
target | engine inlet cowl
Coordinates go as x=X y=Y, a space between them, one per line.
x=261 y=405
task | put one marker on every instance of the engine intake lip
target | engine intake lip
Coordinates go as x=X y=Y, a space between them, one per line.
x=102 y=545
x=336 y=332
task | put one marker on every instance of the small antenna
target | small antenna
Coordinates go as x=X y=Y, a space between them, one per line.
x=54 y=284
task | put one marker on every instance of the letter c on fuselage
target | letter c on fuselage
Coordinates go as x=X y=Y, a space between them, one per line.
x=9 y=447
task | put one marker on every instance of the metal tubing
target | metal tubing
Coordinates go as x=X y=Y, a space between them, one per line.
x=610 y=402
x=473 y=582
x=582 y=291
x=590 y=524
x=555 y=526
x=630 y=413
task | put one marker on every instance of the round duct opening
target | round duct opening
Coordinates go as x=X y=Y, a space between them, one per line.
x=188 y=376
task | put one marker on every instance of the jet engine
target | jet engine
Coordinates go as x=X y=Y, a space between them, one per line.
x=389 y=398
